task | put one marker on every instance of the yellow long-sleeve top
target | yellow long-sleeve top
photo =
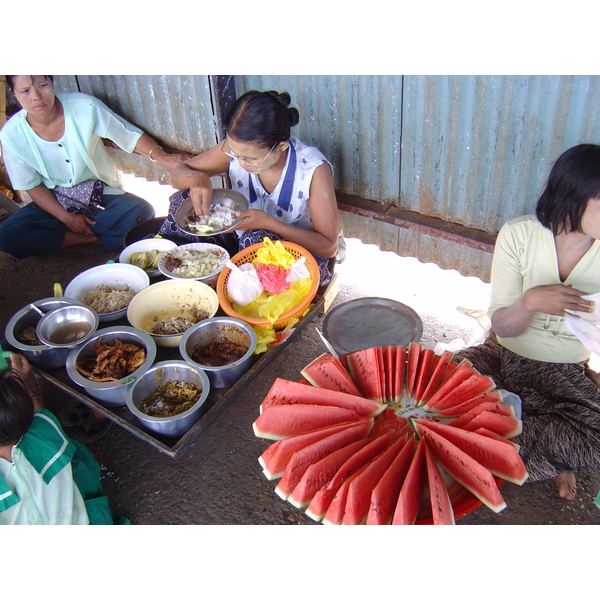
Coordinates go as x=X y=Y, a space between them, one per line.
x=525 y=257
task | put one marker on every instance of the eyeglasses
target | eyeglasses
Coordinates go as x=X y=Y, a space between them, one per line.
x=247 y=162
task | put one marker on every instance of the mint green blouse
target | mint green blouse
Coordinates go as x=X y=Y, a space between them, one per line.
x=78 y=156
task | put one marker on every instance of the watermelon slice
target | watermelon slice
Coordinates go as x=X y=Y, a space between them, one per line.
x=414 y=355
x=424 y=373
x=322 y=499
x=276 y=457
x=319 y=474
x=358 y=501
x=463 y=371
x=507 y=427
x=388 y=360
x=385 y=494
x=399 y=369
x=502 y=409
x=441 y=505
x=472 y=387
x=363 y=366
x=495 y=436
x=461 y=409
x=284 y=392
x=411 y=492
x=284 y=420
x=441 y=367
x=465 y=469
x=327 y=371
x=302 y=459
x=500 y=459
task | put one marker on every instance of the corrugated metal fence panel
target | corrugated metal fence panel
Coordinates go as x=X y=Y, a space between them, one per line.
x=176 y=110
x=474 y=150
x=354 y=120
x=477 y=150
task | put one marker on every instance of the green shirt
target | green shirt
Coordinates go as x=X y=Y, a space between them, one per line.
x=525 y=257
x=52 y=480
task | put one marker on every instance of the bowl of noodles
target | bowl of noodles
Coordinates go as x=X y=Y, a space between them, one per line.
x=108 y=289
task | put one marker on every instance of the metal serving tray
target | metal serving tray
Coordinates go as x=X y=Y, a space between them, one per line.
x=217 y=401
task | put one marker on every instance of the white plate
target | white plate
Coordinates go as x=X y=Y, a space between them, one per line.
x=210 y=279
x=145 y=245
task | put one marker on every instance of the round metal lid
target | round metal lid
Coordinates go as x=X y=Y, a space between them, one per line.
x=371 y=323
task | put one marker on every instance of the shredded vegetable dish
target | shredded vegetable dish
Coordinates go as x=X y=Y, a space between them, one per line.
x=171 y=398
x=105 y=299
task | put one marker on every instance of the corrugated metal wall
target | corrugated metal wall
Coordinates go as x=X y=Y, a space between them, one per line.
x=473 y=150
x=176 y=110
x=477 y=150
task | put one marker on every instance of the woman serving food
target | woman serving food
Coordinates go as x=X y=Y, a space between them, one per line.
x=543 y=266
x=288 y=184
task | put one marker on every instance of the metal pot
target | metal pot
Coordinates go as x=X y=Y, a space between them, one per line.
x=111 y=393
x=39 y=355
x=177 y=370
x=217 y=328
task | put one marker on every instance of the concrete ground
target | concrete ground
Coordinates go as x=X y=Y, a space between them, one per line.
x=218 y=480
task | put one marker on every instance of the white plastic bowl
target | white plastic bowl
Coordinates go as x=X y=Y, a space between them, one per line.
x=210 y=279
x=145 y=245
x=171 y=298
x=114 y=275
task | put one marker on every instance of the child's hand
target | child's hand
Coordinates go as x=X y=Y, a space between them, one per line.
x=21 y=367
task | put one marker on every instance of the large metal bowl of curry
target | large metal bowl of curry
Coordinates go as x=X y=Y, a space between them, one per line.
x=221 y=346
x=108 y=364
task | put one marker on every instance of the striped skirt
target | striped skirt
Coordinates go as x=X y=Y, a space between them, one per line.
x=560 y=408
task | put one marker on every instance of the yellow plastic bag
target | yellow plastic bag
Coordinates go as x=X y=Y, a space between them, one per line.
x=277 y=304
x=272 y=306
x=265 y=336
x=274 y=253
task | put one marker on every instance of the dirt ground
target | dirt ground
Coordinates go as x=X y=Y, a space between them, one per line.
x=218 y=480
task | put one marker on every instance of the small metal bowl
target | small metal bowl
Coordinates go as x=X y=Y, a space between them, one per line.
x=218 y=328
x=67 y=327
x=38 y=354
x=177 y=370
x=231 y=198
x=111 y=393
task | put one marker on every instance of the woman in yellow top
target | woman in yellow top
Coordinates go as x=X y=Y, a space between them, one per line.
x=542 y=267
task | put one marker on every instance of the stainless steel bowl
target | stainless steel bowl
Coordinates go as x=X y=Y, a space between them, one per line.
x=111 y=393
x=39 y=355
x=178 y=370
x=67 y=326
x=218 y=328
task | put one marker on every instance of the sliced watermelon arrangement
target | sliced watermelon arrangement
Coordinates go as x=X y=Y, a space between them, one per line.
x=389 y=435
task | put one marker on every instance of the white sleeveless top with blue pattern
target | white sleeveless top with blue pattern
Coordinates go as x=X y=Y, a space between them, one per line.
x=289 y=200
